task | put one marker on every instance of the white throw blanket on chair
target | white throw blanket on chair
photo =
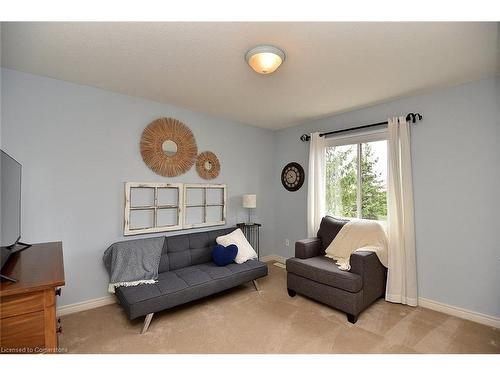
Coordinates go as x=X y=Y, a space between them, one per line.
x=358 y=235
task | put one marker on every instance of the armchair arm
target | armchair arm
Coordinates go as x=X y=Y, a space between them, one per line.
x=373 y=273
x=308 y=248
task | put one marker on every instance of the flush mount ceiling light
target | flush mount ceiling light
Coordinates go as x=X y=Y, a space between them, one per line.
x=265 y=59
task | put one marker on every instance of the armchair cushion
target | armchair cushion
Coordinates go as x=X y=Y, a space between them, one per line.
x=308 y=248
x=325 y=271
x=328 y=230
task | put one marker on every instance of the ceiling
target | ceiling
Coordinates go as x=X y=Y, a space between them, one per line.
x=330 y=67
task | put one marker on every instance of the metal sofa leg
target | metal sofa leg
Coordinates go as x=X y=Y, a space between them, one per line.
x=147 y=321
x=256 y=285
x=352 y=318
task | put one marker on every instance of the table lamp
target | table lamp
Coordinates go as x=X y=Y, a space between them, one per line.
x=249 y=201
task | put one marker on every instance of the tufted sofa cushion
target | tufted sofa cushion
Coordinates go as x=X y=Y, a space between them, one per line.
x=190 y=249
x=186 y=284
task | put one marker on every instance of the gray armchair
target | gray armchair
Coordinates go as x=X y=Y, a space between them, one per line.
x=313 y=275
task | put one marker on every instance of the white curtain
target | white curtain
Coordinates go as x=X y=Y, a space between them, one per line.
x=402 y=272
x=315 y=184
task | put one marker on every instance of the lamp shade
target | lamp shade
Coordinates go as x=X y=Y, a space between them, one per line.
x=249 y=200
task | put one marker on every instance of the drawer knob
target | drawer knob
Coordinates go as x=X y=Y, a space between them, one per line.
x=59 y=329
x=58 y=292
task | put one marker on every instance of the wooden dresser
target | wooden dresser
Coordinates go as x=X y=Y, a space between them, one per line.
x=28 y=307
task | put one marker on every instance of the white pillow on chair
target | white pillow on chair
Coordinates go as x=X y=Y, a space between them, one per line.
x=245 y=250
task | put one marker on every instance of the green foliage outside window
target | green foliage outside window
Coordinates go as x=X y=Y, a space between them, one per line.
x=341 y=183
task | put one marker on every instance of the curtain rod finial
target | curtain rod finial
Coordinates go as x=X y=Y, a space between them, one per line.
x=305 y=137
x=413 y=117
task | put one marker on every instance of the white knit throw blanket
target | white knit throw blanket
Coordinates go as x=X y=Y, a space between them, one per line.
x=358 y=235
x=113 y=286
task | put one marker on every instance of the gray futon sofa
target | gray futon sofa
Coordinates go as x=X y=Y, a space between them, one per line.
x=186 y=273
x=313 y=275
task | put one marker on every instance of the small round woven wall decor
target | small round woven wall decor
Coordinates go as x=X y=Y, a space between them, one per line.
x=207 y=165
x=168 y=147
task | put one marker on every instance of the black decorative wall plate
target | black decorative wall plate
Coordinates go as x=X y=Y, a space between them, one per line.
x=292 y=176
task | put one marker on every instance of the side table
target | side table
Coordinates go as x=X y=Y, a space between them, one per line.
x=252 y=233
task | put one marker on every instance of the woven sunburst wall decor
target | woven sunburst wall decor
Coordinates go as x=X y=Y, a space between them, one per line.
x=207 y=165
x=168 y=147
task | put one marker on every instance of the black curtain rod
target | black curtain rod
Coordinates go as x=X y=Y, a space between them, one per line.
x=411 y=117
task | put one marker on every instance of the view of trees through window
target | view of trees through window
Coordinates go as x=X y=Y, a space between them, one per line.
x=342 y=173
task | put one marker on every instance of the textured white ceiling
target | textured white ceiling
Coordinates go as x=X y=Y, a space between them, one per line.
x=330 y=67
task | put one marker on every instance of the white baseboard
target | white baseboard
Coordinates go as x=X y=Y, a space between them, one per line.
x=273 y=258
x=460 y=312
x=85 y=305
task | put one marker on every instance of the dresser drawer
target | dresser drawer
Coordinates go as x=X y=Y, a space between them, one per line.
x=21 y=304
x=23 y=331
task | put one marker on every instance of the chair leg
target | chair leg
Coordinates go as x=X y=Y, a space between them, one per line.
x=256 y=285
x=352 y=318
x=291 y=292
x=147 y=321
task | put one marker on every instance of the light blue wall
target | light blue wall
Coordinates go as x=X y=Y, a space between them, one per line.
x=78 y=145
x=456 y=163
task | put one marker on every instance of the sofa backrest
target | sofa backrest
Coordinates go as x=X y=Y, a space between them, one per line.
x=328 y=229
x=185 y=250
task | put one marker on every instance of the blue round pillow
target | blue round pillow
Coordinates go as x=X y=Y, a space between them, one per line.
x=222 y=255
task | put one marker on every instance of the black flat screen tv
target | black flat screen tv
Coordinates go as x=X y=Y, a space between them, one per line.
x=10 y=208
x=10 y=201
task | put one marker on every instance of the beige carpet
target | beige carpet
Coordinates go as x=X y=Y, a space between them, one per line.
x=245 y=321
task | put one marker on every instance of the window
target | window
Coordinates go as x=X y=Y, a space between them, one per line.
x=356 y=176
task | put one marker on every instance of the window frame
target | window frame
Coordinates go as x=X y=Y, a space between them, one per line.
x=155 y=206
x=357 y=139
x=360 y=137
x=204 y=205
